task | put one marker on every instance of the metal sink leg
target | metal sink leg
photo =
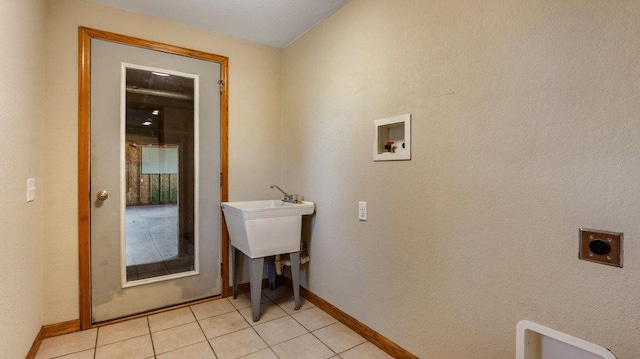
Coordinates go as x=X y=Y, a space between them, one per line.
x=256 y=267
x=294 y=257
x=235 y=264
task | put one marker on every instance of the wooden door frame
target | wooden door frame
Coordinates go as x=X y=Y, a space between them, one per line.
x=84 y=155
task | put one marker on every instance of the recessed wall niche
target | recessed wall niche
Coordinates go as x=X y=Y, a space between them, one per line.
x=392 y=139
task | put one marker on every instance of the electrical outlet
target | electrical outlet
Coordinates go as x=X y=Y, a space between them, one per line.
x=362 y=211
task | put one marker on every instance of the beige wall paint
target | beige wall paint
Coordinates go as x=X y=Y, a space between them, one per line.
x=525 y=128
x=21 y=143
x=254 y=126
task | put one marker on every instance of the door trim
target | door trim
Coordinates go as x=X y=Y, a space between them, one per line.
x=84 y=156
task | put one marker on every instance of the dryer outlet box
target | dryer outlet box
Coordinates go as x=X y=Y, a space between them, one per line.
x=601 y=247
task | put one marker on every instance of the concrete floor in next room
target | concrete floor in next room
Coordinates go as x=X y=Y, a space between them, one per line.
x=152 y=242
x=151 y=233
x=221 y=329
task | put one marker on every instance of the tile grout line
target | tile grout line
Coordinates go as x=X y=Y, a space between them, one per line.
x=335 y=353
x=236 y=310
x=176 y=326
x=202 y=330
x=153 y=347
x=323 y=343
x=74 y=352
x=254 y=329
x=95 y=347
x=250 y=327
x=275 y=302
x=311 y=332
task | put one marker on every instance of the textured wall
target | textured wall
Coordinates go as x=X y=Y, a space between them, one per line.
x=254 y=126
x=21 y=144
x=525 y=128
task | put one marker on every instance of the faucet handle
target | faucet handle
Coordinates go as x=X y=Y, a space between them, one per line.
x=292 y=198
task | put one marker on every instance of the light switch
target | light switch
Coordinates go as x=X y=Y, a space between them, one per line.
x=31 y=189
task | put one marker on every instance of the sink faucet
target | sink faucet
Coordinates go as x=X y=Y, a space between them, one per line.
x=291 y=198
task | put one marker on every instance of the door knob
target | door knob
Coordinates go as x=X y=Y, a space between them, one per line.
x=102 y=195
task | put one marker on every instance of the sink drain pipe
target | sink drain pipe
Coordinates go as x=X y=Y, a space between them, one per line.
x=280 y=263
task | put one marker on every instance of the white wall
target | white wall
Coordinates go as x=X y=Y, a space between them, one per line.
x=525 y=128
x=21 y=145
x=254 y=126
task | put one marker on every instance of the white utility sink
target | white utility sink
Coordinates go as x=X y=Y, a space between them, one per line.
x=267 y=227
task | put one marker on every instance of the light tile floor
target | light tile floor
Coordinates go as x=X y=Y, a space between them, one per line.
x=219 y=329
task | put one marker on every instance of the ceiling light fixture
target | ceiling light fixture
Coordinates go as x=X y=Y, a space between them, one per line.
x=155 y=112
x=160 y=73
x=147 y=123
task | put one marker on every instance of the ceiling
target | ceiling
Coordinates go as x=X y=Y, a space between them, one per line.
x=274 y=23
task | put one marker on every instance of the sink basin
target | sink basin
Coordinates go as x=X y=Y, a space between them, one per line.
x=265 y=228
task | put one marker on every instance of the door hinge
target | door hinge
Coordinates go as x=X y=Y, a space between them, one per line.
x=221 y=83
x=221 y=179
